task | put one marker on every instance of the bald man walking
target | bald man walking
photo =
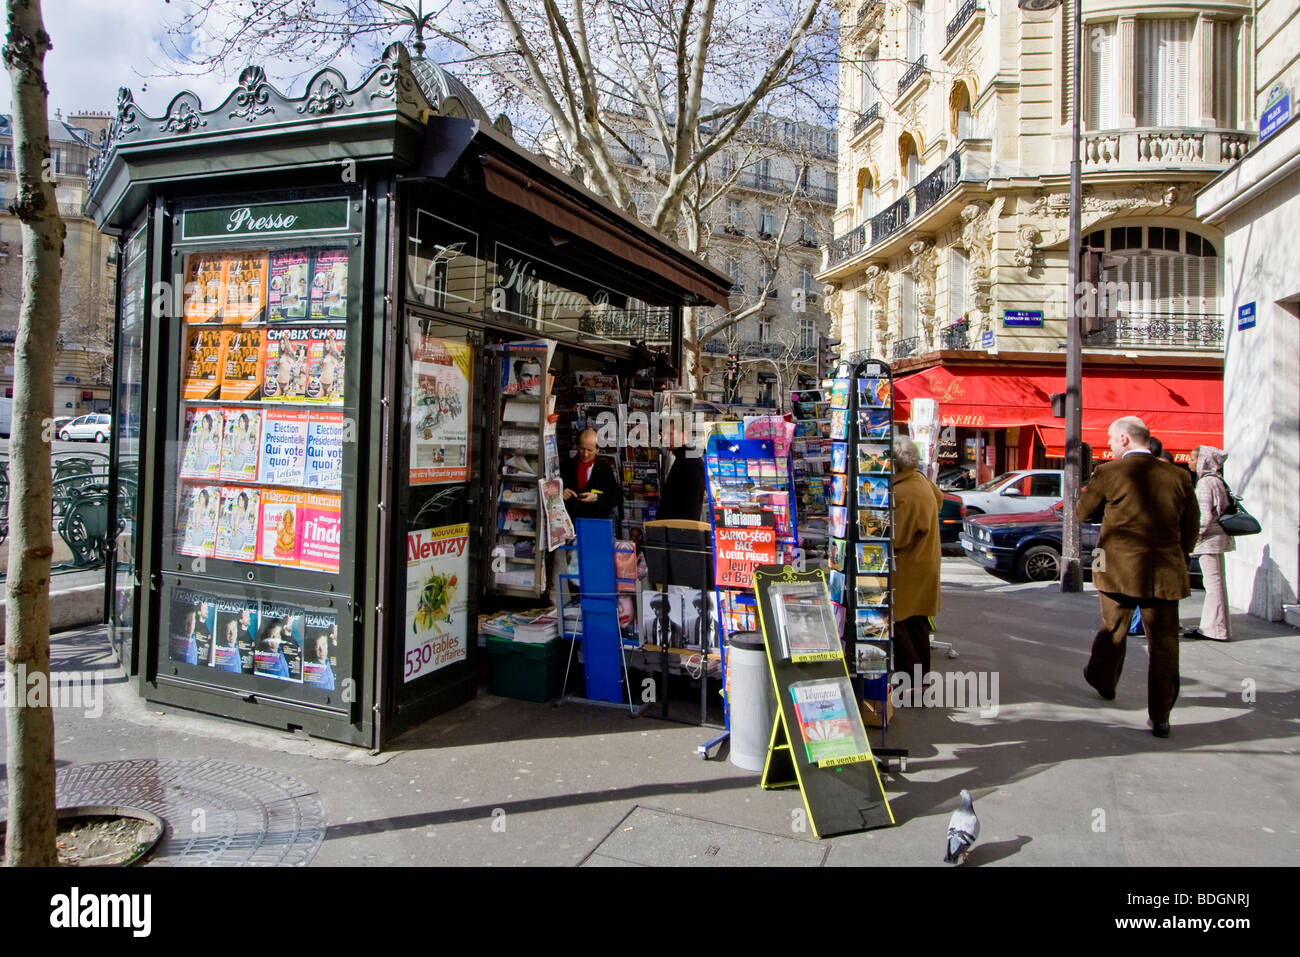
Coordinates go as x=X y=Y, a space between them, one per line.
x=1149 y=523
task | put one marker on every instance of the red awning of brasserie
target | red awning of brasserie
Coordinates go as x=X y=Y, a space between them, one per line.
x=1183 y=408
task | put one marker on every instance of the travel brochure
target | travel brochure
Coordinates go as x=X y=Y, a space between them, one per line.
x=250 y=286
x=238 y=635
x=829 y=721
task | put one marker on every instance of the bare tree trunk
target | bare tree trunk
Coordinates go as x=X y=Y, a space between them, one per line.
x=30 y=751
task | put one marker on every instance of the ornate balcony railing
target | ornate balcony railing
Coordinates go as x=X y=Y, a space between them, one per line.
x=957 y=336
x=1145 y=147
x=893 y=219
x=943 y=179
x=1161 y=331
x=963 y=16
x=866 y=118
x=905 y=347
x=912 y=75
x=850 y=244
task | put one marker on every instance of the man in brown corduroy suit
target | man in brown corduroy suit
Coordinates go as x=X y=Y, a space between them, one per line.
x=1149 y=523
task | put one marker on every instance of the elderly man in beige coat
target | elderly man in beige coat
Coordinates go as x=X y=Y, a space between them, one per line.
x=917 y=501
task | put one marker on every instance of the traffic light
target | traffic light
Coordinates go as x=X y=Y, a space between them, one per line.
x=733 y=377
x=825 y=358
x=1090 y=275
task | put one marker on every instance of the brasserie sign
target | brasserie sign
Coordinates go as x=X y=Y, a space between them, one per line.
x=299 y=218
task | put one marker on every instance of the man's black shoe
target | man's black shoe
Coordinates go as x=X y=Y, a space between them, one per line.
x=1160 y=729
x=1105 y=697
x=1194 y=633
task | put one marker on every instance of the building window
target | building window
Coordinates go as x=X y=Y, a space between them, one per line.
x=1162 y=237
x=1161 y=53
x=957 y=285
x=767 y=222
x=866 y=197
x=735 y=215
x=806 y=231
x=913 y=169
x=733 y=270
x=806 y=280
x=870 y=83
x=1224 y=73
x=915 y=31
x=1126 y=237
x=764 y=330
x=908 y=295
x=1157 y=281
x=807 y=334
x=1100 y=91
x=728 y=164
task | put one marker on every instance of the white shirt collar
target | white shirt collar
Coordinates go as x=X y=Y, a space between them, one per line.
x=1136 y=452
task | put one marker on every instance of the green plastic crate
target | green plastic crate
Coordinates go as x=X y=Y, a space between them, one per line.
x=530 y=671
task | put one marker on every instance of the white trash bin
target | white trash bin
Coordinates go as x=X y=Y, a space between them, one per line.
x=750 y=700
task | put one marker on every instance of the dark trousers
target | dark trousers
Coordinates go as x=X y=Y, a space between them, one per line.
x=912 y=645
x=1160 y=620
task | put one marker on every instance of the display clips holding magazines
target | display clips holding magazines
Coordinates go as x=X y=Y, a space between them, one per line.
x=818 y=740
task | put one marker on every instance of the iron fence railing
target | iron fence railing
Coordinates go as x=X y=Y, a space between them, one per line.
x=963 y=16
x=848 y=245
x=957 y=336
x=903 y=348
x=1161 y=331
x=912 y=75
x=943 y=179
x=866 y=118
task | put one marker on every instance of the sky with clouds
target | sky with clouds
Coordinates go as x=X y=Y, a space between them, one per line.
x=100 y=45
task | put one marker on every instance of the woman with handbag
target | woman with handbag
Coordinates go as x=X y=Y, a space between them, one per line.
x=1214 y=499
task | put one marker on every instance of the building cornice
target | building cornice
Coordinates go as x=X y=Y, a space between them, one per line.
x=1269 y=163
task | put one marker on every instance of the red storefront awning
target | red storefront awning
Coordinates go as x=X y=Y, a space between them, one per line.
x=1183 y=408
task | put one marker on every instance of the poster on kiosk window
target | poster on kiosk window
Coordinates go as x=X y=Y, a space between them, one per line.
x=437 y=618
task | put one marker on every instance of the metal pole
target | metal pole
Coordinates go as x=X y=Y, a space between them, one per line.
x=1071 y=570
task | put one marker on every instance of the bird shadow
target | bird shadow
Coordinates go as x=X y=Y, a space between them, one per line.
x=988 y=853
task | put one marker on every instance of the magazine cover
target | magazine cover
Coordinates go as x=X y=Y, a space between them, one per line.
x=437 y=581
x=839 y=457
x=322 y=530
x=236 y=635
x=661 y=620
x=873 y=424
x=281 y=527
x=697 y=636
x=324 y=459
x=838 y=519
x=805 y=626
x=284 y=447
x=840 y=394
x=874 y=457
x=278 y=652
x=245 y=286
x=193 y=620
x=196 y=525
x=201 y=453
x=873 y=557
x=441 y=370
x=840 y=424
x=873 y=523
x=325 y=364
x=241 y=446
x=517 y=520
x=284 y=363
x=872 y=590
x=559 y=526
x=287 y=294
x=522 y=366
x=320 y=649
x=874 y=393
x=624 y=565
x=202 y=364
x=241 y=365
x=205 y=286
x=329 y=284
x=829 y=721
x=238 y=524
x=835 y=493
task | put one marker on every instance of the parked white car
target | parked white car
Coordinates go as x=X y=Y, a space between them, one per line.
x=98 y=427
x=1029 y=490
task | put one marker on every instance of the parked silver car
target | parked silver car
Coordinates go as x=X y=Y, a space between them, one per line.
x=1028 y=490
x=97 y=427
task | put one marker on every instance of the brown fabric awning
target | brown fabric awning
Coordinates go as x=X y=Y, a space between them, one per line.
x=546 y=202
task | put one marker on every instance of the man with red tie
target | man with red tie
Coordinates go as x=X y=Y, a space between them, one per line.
x=590 y=488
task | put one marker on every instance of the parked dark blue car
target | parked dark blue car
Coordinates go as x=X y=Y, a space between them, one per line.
x=1028 y=545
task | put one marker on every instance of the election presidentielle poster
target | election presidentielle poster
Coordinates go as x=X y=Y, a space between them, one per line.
x=437 y=582
x=440 y=410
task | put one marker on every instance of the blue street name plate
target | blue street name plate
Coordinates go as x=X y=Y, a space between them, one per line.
x=1022 y=317
x=1274 y=117
x=986 y=340
x=1246 y=316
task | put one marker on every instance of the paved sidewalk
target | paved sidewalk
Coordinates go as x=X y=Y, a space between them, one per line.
x=1059 y=777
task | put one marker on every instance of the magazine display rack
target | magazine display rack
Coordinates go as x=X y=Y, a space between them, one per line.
x=527 y=456
x=818 y=740
x=810 y=459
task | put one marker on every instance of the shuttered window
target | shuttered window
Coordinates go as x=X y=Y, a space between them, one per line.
x=1161 y=52
x=957 y=285
x=1100 y=86
x=1225 y=73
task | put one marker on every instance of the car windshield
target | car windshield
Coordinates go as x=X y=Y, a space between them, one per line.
x=994 y=483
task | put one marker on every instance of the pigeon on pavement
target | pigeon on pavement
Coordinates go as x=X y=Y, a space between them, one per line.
x=963 y=831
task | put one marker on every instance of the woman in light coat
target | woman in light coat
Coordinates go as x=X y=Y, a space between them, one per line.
x=1213 y=541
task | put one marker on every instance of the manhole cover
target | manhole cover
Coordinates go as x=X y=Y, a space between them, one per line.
x=216 y=813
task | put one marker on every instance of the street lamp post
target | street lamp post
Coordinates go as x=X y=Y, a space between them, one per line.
x=1071 y=542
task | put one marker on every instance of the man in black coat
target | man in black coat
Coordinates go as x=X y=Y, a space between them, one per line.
x=591 y=490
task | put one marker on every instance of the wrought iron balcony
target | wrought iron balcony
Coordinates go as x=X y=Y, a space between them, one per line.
x=963 y=16
x=943 y=179
x=957 y=336
x=905 y=347
x=866 y=118
x=1161 y=331
x=760 y=349
x=850 y=244
x=893 y=219
x=912 y=75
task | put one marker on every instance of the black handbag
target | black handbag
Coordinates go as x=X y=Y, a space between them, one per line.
x=1235 y=520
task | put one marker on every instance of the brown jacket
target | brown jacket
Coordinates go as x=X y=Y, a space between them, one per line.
x=917 y=501
x=1149 y=522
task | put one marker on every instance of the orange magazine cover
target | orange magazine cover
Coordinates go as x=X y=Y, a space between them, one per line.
x=202 y=364
x=241 y=364
x=245 y=277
